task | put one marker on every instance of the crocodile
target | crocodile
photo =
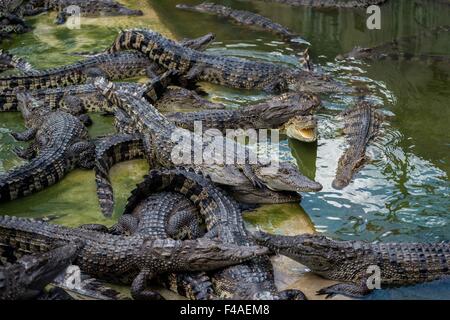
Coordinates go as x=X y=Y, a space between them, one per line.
x=85 y=97
x=289 y=112
x=60 y=144
x=27 y=277
x=124 y=259
x=169 y=215
x=177 y=99
x=244 y=18
x=330 y=3
x=361 y=125
x=253 y=279
x=217 y=69
x=354 y=262
x=379 y=54
x=113 y=66
x=85 y=8
x=167 y=145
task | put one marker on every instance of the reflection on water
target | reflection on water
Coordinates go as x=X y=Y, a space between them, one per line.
x=402 y=194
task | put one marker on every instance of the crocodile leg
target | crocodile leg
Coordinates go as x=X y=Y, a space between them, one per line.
x=26 y=135
x=127 y=225
x=139 y=290
x=28 y=153
x=346 y=289
x=248 y=172
x=94 y=227
x=292 y=294
x=86 y=152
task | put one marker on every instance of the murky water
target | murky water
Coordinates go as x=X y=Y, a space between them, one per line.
x=401 y=195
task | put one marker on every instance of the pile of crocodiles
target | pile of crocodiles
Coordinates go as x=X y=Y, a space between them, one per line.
x=182 y=226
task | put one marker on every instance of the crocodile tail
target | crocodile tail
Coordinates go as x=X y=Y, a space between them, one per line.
x=109 y=151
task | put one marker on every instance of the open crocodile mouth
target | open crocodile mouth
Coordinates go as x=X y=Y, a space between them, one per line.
x=302 y=134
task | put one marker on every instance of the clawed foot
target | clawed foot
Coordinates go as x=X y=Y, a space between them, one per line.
x=349 y=290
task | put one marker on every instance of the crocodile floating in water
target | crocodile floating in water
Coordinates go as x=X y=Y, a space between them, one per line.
x=60 y=144
x=169 y=215
x=85 y=8
x=361 y=125
x=253 y=279
x=243 y=17
x=125 y=259
x=26 y=278
x=374 y=54
x=330 y=3
x=167 y=146
x=228 y=71
x=290 y=112
x=354 y=262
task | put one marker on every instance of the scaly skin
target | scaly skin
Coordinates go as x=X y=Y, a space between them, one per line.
x=330 y=3
x=288 y=112
x=170 y=215
x=180 y=99
x=88 y=8
x=351 y=262
x=251 y=280
x=27 y=278
x=114 y=67
x=226 y=71
x=361 y=125
x=241 y=17
x=159 y=132
x=134 y=259
x=60 y=145
x=81 y=98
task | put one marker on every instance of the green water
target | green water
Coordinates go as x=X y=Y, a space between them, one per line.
x=402 y=194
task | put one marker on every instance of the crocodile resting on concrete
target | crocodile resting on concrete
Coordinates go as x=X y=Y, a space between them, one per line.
x=60 y=144
x=242 y=17
x=330 y=3
x=353 y=262
x=167 y=146
x=227 y=71
x=251 y=280
x=86 y=8
x=361 y=125
x=124 y=259
x=289 y=112
x=27 y=278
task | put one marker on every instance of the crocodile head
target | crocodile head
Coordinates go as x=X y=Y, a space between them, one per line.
x=350 y=162
x=278 y=110
x=356 y=53
x=199 y=255
x=33 y=111
x=302 y=128
x=285 y=177
x=40 y=270
x=304 y=80
x=316 y=252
